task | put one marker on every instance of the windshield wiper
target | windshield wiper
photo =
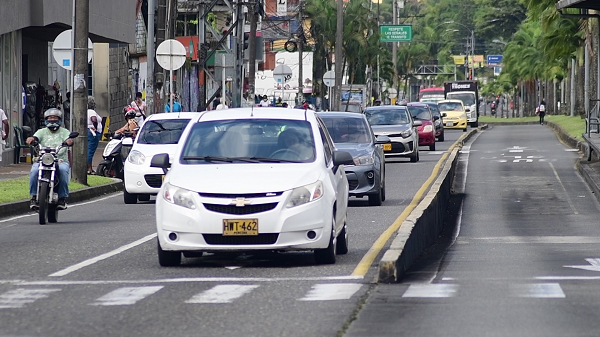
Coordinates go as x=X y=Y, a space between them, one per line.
x=271 y=160
x=209 y=158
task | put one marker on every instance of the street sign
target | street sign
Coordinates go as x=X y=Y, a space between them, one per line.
x=395 y=33
x=61 y=50
x=392 y=93
x=329 y=78
x=493 y=60
x=282 y=73
x=171 y=54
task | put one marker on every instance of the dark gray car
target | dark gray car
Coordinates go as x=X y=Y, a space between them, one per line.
x=351 y=133
x=396 y=123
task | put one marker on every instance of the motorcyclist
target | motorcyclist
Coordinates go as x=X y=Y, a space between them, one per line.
x=131 y=125
x=52 y=136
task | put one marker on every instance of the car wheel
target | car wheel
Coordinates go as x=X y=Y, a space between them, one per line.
x=383 y=191
x=166 y=258
x=342 y=241
x=129 y=198
x=327 y=255
x=375 y=199
x=143 y=197
x=441 y=137
x=432 y=147
x=475 y=124
x=414 y=157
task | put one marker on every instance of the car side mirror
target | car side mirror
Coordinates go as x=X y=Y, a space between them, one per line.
x=161 y=160
x=342 y=158
x=382 y=139
x=417 y=123
x=127 y=141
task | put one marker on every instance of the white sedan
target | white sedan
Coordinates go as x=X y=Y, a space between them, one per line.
x=253 y=179
x=159 y=134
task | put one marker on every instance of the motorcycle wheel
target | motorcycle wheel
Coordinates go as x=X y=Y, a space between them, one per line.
x=52 y=214
x=101 y=170
x=43 y=203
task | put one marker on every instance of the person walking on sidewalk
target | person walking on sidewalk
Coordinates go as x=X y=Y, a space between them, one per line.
x=94 y=124
x=140 y=108
x=542 y=111
x=3 y=131
x=52 y=136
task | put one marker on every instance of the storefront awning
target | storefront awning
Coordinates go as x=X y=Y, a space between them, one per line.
x=583 y=4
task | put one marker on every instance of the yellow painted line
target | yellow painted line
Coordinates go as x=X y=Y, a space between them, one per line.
x=367 y=260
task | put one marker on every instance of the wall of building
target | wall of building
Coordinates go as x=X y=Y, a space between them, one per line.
x=10 y=87
x=100 y=82
x=119 y=87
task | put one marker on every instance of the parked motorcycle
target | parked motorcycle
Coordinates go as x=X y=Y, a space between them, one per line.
x=47 y=189
x=115 y=153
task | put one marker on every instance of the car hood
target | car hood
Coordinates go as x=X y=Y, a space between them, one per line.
x=243 y=178
x=389 y=129
x=454 y=114
x=355 y=149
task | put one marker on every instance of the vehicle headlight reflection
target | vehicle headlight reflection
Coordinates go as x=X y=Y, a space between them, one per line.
x=305 y=194
x=136 y=157
x=179 y=196
x=364 y=160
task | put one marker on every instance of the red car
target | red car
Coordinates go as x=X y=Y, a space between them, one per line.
x=422 y=112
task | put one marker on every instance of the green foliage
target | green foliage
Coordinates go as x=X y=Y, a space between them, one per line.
x=18 y=189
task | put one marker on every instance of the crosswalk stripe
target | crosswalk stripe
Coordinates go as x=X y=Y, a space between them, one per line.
x=224 y=293
x=126 y=295
x=18 y=298
x=537 y=290
x=331 y=292
x=431 y=290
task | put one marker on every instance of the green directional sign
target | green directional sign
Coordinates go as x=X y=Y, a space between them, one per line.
x=395 y=33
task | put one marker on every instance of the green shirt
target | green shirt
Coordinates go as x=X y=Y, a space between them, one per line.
x=53 y=139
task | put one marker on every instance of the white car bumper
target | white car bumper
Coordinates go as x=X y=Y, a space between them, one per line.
x=142 y=179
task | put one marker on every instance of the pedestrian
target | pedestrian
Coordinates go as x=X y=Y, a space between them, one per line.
x=542 y=111
x=94 y=124
x=66 y=104
x=377 y=102
x=265 y=101
x=176 y=105
x=4 y=130
x=222 y=105
x=140 y=108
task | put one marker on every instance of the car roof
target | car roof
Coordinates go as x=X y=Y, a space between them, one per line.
x=258 y=113
x=451 y=101
x=417 y=104
x=174 y=115
x=387 y=107
x=341 y=114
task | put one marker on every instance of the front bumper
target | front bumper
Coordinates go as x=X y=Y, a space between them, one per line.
x=359 y=183
x=426 y=138
x=456 y=123
x=142 y=179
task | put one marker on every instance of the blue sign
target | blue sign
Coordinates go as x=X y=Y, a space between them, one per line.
x=66 y=62
x=494 y=59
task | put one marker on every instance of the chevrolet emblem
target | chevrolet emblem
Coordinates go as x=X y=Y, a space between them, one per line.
x=240 y=202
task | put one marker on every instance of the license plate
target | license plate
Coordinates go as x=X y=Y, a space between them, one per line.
x=387 y=147
x=449 y=124
x=240 y=227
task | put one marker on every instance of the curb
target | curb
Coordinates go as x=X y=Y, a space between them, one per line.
x=84 y=194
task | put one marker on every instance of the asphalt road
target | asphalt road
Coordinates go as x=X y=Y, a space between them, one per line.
x=521 y=259
x=95 y=273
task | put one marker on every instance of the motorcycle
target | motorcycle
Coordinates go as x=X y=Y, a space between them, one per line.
x=115 y=153
x=47 y=189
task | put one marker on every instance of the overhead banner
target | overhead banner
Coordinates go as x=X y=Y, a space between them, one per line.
x=395 y=33
x=459 y=59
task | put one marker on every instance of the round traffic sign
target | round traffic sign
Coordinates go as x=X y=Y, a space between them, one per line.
x=171 y=54
x=329 y=78
x=282 y=73
x=392 y=93
x=61 y=50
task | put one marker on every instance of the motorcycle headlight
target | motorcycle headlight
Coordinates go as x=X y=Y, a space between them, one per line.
x=406 y=134
x=428 y=128
x=179 y=196
x=136 y=157
x=438 y=122
x=364 y=160
x=305 y=194
x=47 y=159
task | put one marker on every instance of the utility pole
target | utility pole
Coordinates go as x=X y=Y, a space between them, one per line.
x=161 y=25
x=253 y=14
x=395 y=46
x=201 y=57
x=79 y=104
x=236 y=88
x=300 y=52
x=339 y=57
x=150 y=51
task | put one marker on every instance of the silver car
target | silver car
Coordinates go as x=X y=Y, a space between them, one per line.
x=396 y=123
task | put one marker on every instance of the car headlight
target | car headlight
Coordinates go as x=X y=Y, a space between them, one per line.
x=428 y=128
x=364 y=160
x=179 y=196
x=438 y=122
x=406 y=134
x=305 y=194
x=47 y=159
x=136 y=157
x=463 y=115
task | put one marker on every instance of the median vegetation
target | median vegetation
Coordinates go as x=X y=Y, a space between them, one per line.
x=573 y=126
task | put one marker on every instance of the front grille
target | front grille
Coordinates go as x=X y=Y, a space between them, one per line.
x=260 y=239
x=153 y=180
x=352 y=184
x=398 y=147
x=240 y=195
x=233 y=209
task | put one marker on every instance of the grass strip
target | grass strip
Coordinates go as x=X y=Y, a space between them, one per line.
x=573 y=126
x=18 y=189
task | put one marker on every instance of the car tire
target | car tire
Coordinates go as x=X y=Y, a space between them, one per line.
x=465 y=130
x=414 y=157
x=383 y=191
x=143 y=197
x=376 y=199
x=475 y=124
x=432 y=147
x=441 y=137
x=129 y=198
x=327 y=255
x=166 y=258
x=342 y=241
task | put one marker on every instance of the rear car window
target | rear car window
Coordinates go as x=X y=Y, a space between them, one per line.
x=162 y=131
x=420 y=112
x=387 y=116
x=348 y=130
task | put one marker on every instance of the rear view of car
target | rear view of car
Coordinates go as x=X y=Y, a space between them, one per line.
x=438 y=121
x=421 y=112
x=454 y=114
x=159 y=134
x=351 y=133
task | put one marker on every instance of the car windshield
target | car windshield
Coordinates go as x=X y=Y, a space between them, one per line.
x=450 y=106
x=393 y=116
x=162 y=131
x=467 y=98
x=348 y=130
x=420 y=112
x=250 y=141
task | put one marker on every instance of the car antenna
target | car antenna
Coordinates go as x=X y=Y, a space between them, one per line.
x=252 y=110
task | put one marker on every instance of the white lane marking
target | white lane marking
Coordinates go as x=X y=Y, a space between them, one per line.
x=102 y=257
x=431 y=290
x=537 y=290
x=233 y=267
x=126 y=296
x=594 y=265
x=18 y=298
x=572 y=150
x=190 y=279
x=225 y=293
x=331 y=292
x=568 y=278
x=550 y=239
